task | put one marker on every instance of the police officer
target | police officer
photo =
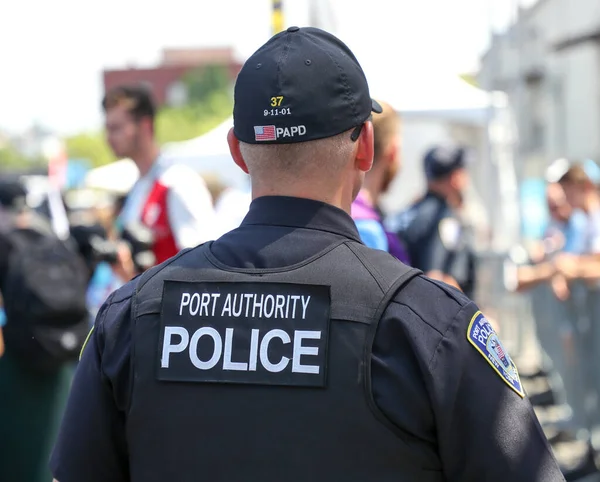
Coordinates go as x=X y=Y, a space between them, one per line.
x=286 y=349
x=438 y=241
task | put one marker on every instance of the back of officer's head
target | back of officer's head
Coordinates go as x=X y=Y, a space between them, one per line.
x=446 y=168
x=301 y=116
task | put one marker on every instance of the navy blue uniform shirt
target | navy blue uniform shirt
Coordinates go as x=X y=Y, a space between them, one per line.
x=437 y=240
x=427 y=378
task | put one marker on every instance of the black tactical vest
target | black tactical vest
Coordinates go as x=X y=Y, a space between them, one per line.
x=264 y=375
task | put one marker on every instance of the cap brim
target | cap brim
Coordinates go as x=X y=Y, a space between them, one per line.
x=376 y=107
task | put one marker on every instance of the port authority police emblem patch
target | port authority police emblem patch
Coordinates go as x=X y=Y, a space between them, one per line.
x=485 y=340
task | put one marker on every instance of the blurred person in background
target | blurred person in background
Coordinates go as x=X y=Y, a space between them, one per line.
x=533 y=270
x=580 y=186
x=4 y=226
x=566 y=233
x=386 y=164
x=106 y=279
x=170 y=199
x=42 y=280
x=2 y=323
x=438 y=243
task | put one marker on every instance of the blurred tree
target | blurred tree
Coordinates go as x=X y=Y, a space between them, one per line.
x=470 y=79
x=209 y=102
x=194 y=119
x=202 y=82
x=11 y=160
x=89 y=146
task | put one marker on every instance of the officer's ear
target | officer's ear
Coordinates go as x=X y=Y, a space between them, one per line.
x=234 y=148
x=365 y=152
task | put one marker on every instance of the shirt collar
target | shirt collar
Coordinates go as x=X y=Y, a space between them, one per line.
x=296 y=212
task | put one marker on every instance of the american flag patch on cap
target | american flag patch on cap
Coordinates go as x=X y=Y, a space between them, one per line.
x=264 y=133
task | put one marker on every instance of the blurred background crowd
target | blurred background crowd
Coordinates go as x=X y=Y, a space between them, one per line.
x=485 y=176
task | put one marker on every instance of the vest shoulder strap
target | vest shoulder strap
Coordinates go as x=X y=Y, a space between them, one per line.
x=386 y=270
x=381 y=276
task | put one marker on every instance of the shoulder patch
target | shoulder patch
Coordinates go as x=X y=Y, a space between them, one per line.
x=482 y=336
x=449 y=229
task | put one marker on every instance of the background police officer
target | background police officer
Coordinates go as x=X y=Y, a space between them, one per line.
x=287 y=349
x=438 y=241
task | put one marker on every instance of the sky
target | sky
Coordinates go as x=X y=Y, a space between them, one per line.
x=52 y=53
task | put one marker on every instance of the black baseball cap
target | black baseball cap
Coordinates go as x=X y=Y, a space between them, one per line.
x=303 y=84
x=440 y=161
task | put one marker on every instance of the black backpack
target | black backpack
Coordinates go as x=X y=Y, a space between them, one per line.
x=44 y=295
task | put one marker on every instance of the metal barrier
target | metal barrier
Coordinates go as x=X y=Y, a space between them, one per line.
x=570 y=335
x=510 y=311
x=538 y=328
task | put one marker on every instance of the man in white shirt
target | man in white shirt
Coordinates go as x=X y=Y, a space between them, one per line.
x=170 y=199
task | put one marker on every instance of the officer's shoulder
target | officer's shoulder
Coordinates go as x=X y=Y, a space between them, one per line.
x=152 y=278
x=116 y=305
x=117 y=308
x=434 y=303
x=112 y=327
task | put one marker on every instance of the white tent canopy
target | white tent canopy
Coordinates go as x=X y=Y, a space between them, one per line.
x=117 y=177
x=213 y=144
x=443 y=96
x=209 y=154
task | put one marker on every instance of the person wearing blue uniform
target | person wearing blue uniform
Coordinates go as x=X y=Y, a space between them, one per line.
x=287 y=349
x=438 y=241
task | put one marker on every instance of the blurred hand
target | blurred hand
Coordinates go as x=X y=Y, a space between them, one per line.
x=1 y=343
x=124 y=268
x=560 y=287
x=567 y=265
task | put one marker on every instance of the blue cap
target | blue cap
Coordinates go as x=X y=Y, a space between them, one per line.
x=442 y=160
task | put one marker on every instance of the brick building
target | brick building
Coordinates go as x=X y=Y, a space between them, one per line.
x=165 y=80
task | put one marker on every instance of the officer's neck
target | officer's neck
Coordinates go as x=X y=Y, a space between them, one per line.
x=341 y=198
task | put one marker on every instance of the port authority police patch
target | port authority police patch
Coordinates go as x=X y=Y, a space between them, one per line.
x=485 y=340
